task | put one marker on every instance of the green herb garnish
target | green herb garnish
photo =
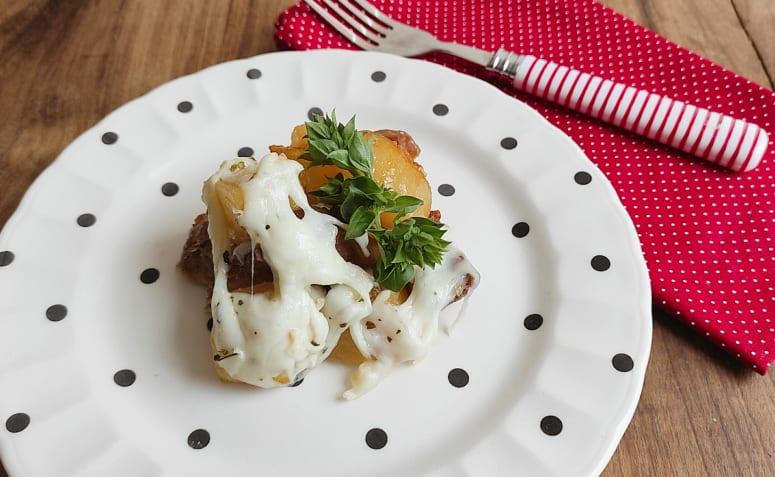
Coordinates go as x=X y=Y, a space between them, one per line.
x=413 y=241
x=360 y=200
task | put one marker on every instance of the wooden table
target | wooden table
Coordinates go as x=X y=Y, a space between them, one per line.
x=64 y=65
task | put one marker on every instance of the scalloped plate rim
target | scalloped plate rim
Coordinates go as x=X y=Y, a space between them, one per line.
x=9 y=458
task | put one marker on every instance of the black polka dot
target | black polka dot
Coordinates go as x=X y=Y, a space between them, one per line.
x=198 y=439
x=245 y=152
x=520 y=229
x=376 y=438
x=149 y=275
x=169 y=189
x=297 y=382
x=210 y=323
x=378 y=76
x=440 y=110
x=582 y=178
x=446 y=190
x=254 y=73
x=458 y=377
x=185 y=106
x=6 y=257
x=314 y=112
x=86 y=220
x=600 y=263
x=56 y=312
x=508 y=143
x=125 y=377
x=622 y=362
x=533 y=322
x=551 y=425
x=109 y=138
x=17 y=422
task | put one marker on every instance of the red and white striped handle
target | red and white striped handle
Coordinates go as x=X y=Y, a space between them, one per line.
x=720 y=139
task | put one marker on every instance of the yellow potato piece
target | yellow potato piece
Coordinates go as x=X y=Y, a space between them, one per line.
x=291 y=152
x=299 y=137
x=393 y=168
x=231 y=200
x=281 y=379
x=312 y=178
x=346 y=352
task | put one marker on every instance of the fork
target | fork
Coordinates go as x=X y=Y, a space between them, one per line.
x=721 y=139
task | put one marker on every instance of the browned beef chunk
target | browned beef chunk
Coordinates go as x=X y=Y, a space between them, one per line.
x=353 y=253
x=197 y=257
x=240 y=262
x=197 y=261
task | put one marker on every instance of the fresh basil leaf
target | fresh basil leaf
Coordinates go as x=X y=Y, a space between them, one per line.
x=316 y=130
x=361 y=154
x=398 y=255
x=349 y=131
x=408 y=202
x=403 y=205
x=331 y=192
x=350 y=203
x=360 y=221
x=327 y=146
x=354 y=186
x=320 y=150
x=339 y=158
x=395 y=277
x=415 y=256
x=367 y=185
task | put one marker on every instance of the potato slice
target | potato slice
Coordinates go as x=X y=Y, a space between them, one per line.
x=299 y=137
x=394 y=167
x=231 y=200
x=293 y=153
x=312 y=178
x=299 y=145
x=346 y=352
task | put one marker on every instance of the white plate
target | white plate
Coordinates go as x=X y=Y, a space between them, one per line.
x=59 y=372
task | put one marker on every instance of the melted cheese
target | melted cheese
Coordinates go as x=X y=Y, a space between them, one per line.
x=396 y=333
x=271 y=340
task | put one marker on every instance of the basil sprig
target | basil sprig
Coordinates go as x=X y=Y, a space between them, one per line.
x=413 y=241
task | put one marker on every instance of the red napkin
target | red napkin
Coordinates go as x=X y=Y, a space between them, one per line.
x=707 y=233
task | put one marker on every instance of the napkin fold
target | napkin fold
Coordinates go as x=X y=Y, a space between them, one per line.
x=707 y=233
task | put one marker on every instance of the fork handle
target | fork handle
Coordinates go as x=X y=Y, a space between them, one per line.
x=733 y=143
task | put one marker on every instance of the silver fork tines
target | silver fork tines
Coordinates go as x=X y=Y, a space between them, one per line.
x=341 y=27
x=367 y=19
x=370 y=29
x=359 y=27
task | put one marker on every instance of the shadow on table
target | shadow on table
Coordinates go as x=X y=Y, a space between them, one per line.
x=725 y=361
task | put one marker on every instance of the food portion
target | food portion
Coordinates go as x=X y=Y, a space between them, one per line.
x=396 y=332
x=331 y=234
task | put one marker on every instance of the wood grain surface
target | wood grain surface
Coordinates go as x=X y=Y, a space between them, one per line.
x=66 y=64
